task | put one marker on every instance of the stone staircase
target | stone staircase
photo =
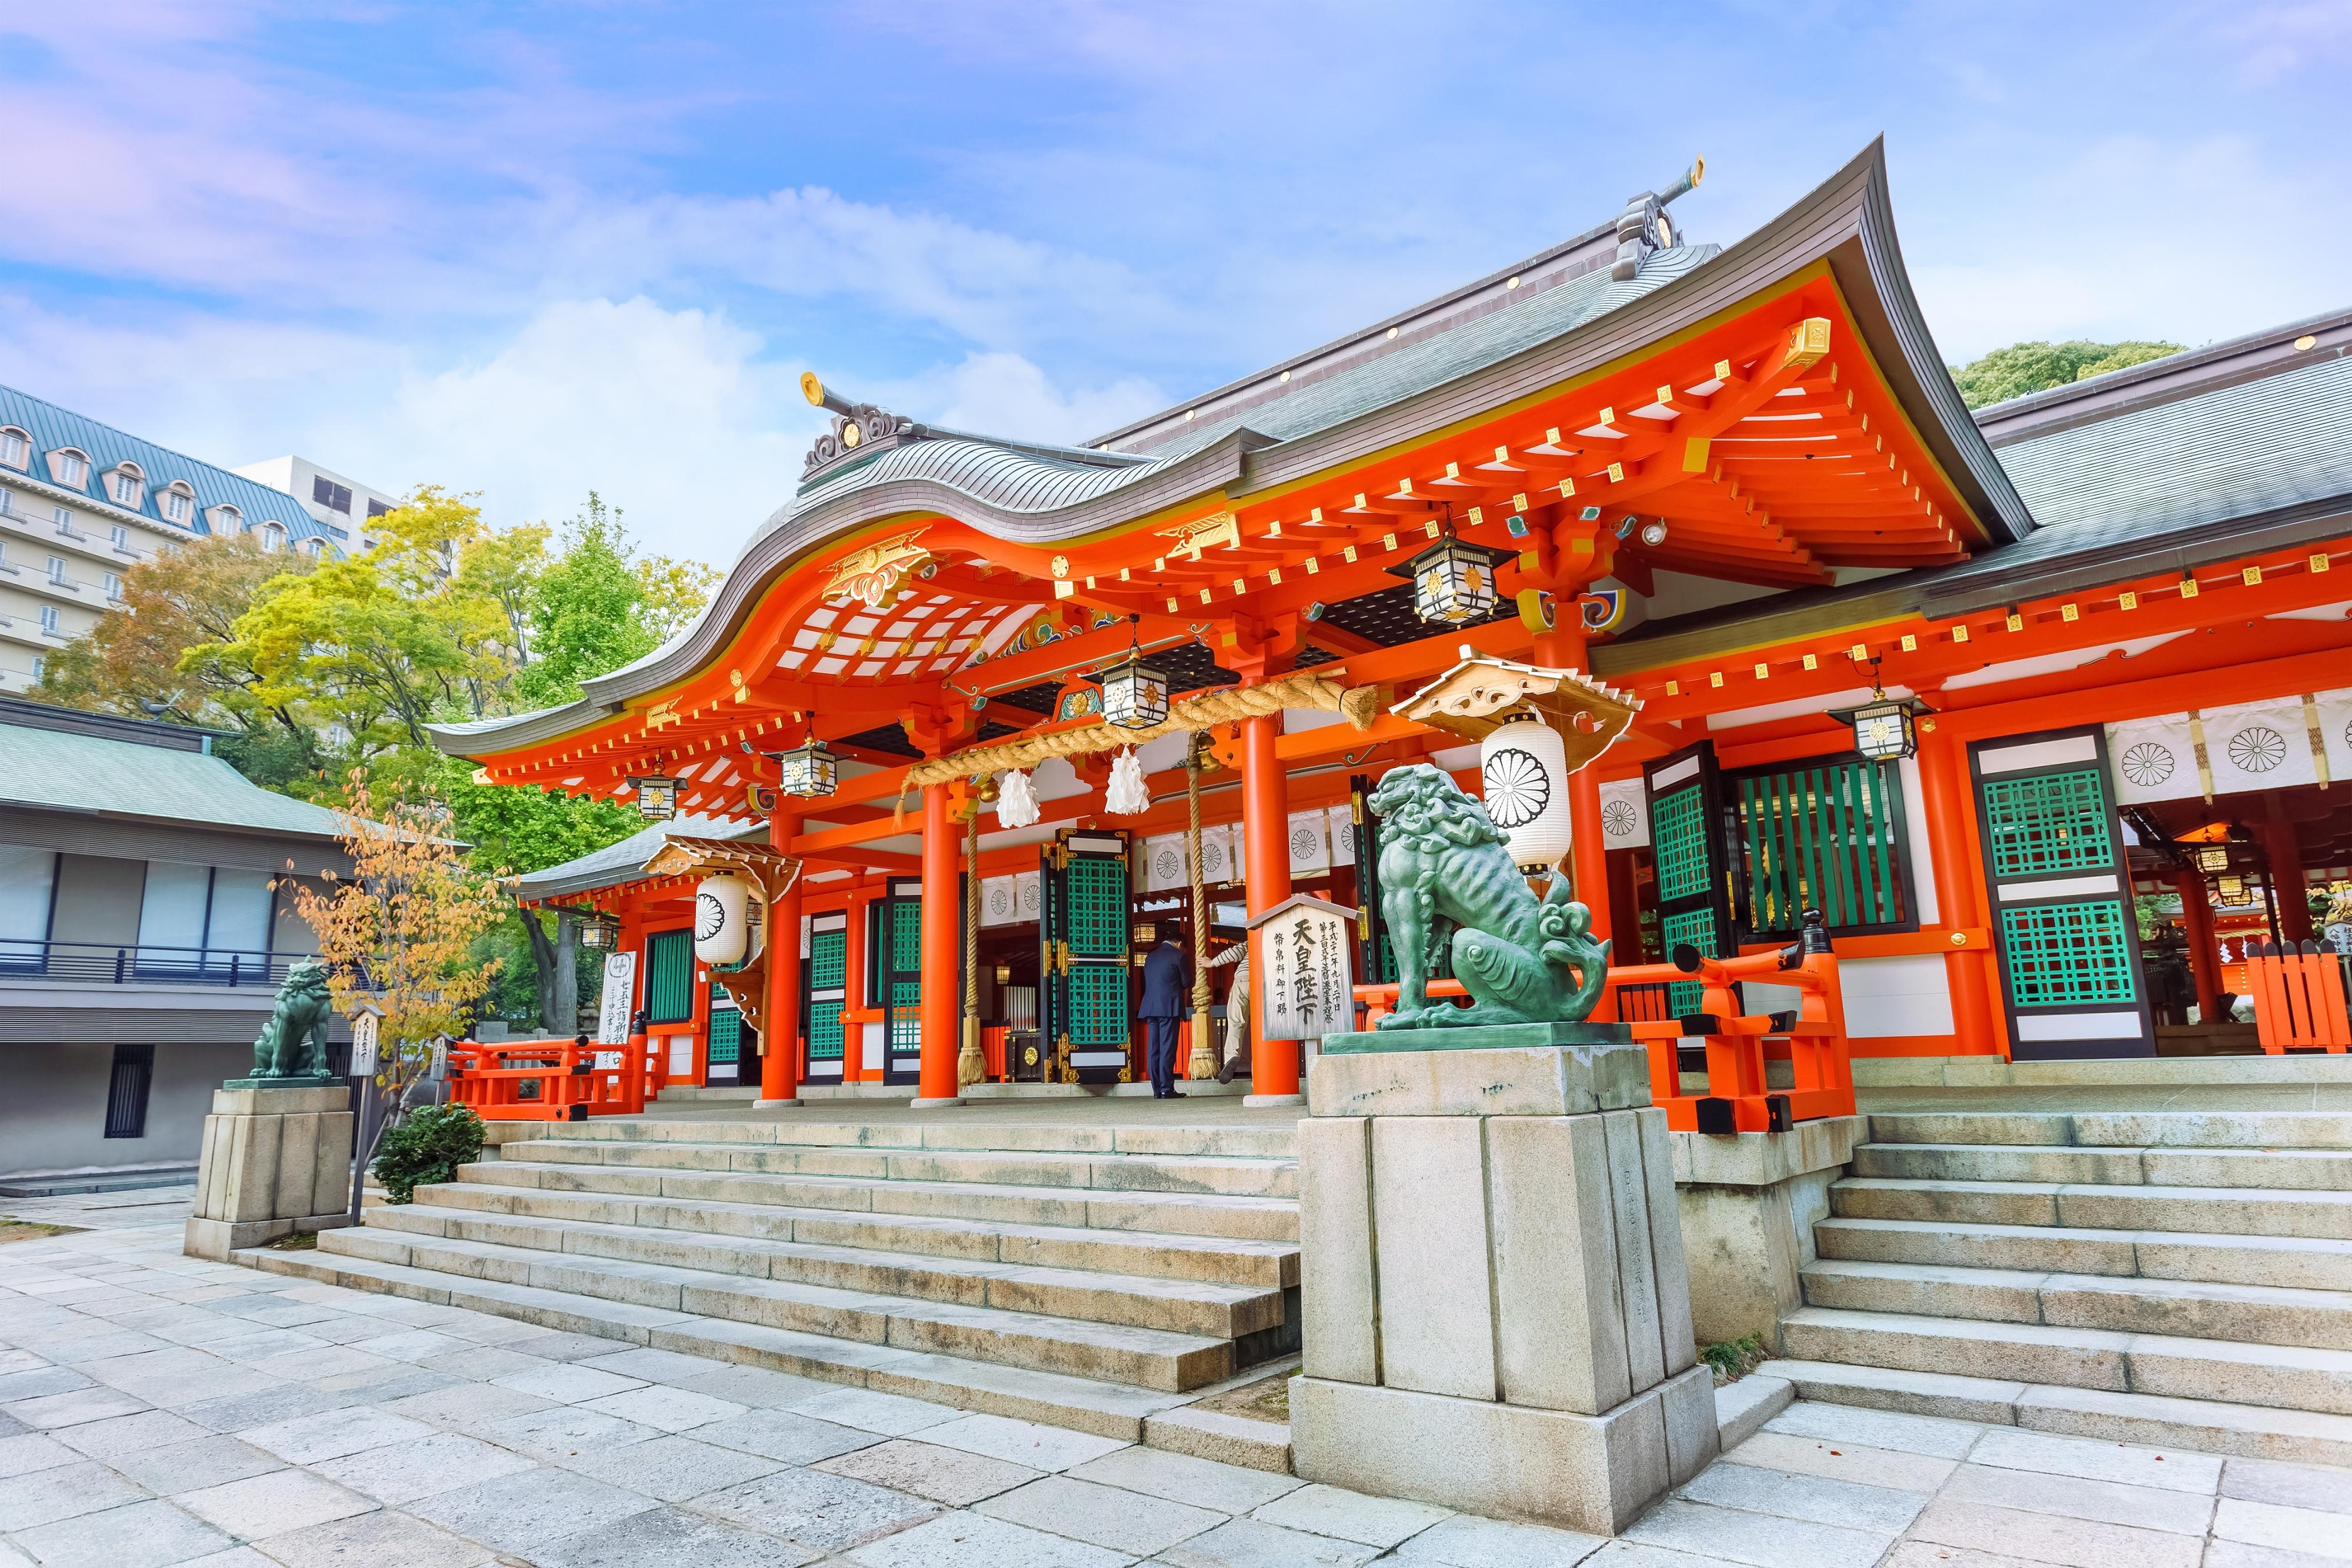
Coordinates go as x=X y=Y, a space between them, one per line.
x=2160 y=1278
x=1088 y=1276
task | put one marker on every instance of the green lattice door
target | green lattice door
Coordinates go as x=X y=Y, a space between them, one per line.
x=725 y=1054
x=825 y=991
x=1087 y=1008
x=1687 y=837
x=895 y=976
x=669 y=976
x=2063 y=922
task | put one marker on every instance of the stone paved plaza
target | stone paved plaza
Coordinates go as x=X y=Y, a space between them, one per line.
x=157 y=1409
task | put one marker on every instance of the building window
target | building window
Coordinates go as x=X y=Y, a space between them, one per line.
x=126 y=1091
x=1826 y=833
x=121 y=537
x=377 y=509
x=7 y=499
x=314 y=548
x=58 y=569
x=15 y=448
x=63 y=518
x=178 y=505
x=125 y=485
x=73 y=469
x=205 y=920
x=273 y=536
x=113 y=588
x=40 y=668
x=333 y=496
x=49 y=619
x=27 y=882
x=228 y=519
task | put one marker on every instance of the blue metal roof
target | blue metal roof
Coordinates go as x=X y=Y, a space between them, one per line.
x=52 y=427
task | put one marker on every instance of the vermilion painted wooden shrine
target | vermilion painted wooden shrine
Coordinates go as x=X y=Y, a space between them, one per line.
x=2096 y=638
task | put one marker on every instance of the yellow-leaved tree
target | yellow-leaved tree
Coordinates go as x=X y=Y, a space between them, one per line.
x=399 y=931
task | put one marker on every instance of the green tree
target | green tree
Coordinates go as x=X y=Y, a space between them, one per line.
x=2024 y=367
x=597 y=607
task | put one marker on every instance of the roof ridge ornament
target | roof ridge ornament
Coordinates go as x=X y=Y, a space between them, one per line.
x=859 y=430
x=1644 y=228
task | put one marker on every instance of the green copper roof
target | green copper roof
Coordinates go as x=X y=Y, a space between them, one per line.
x=53 y=771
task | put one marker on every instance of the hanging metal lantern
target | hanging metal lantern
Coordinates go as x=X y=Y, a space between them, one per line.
x=1454 y=581
x=1134 y=690
x=599 y=935
x=808 y=770
x=1523 y=769
x=2213 y=859
x=656 y=797
x=2232 y=890
x=1884 y=730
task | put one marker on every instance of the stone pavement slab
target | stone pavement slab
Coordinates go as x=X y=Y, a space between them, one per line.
x=949 y=1476
x=1101 y=1515
x=246 y=1422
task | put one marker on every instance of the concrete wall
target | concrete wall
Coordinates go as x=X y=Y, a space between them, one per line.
x=53 y=1117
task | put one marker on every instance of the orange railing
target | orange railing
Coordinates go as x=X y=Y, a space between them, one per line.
x=1739 y=1099
x=551 y=1080
x=2298 y=995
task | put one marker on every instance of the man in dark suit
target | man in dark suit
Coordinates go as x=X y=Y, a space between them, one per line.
x=1167 y=986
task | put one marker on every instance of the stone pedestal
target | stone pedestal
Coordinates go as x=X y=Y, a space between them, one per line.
x=1749 y=1201
x=273 y=1162
x=1495 y=1309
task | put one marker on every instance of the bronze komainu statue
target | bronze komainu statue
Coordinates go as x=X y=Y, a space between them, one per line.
x=293 y=1043
x=1447 y=878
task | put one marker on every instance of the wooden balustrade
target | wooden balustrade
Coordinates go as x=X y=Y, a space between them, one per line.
x=2299 y=997
x=569 y=1080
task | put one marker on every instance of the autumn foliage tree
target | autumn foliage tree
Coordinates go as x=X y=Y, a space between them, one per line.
x=401 y=930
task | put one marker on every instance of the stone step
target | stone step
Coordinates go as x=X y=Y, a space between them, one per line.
x=2280 y=1377
x=1110 y=1353
x=1279 y=1141
x=2303 y=1262
x=1087 y=1405
x=1188 y=1214
x=1218 y=1311
x=2290 y=1169
x=1225 y=1175
x=2120 y=1129
x=2142 y=1420
x=1223 y=1260
x=2264 y=1314
x=2244 y=1211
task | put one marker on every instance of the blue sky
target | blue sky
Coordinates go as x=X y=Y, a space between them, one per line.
x=532 y=249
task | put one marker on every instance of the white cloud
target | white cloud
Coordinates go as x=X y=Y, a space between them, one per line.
x=1004 y=394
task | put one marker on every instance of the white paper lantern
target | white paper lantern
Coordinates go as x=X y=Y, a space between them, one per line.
x=722 y=922
x=1524 y=769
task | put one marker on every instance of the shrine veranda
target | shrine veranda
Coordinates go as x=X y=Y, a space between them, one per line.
x=1732 y=485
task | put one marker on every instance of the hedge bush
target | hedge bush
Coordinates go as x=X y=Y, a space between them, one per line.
x=427 y=1147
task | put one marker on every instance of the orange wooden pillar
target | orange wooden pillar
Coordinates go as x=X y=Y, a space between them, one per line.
x=779 y=1043
x=941 y=1024
x=2204 y=958
x=1565 y=648
x=1266 y=862
x=1959 y=889
x=2283 y=855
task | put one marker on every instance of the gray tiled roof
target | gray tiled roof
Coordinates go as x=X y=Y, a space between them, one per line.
x=625 y=860
x=2227 y=453
x=56 y=771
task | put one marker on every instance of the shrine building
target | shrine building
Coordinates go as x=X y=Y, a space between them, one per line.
x=2047 y=708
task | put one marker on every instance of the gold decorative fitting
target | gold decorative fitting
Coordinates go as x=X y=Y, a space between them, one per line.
x=1217 y=530
x=2306 y=343
x=2127 y=600
x=872 y=575
x=1715 y=677
x=2253 y=576
x=1809 y=342
x=2319 y=561
x=1910 y=643
x=1960 y=633
x=2189 y=587
x=1959 y=938
x=1060 y=566
x=2068 y=612
x=1812 y=661
x=2016 y=621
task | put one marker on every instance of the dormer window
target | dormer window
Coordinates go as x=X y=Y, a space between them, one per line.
x=314 y=548
x=15 y=447
x=273 y=536
x=126 y=486
x=178 y=503
x=70 y=468
x=227 y=519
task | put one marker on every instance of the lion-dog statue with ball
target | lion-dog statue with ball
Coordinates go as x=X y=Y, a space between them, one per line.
x=1448 y=887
